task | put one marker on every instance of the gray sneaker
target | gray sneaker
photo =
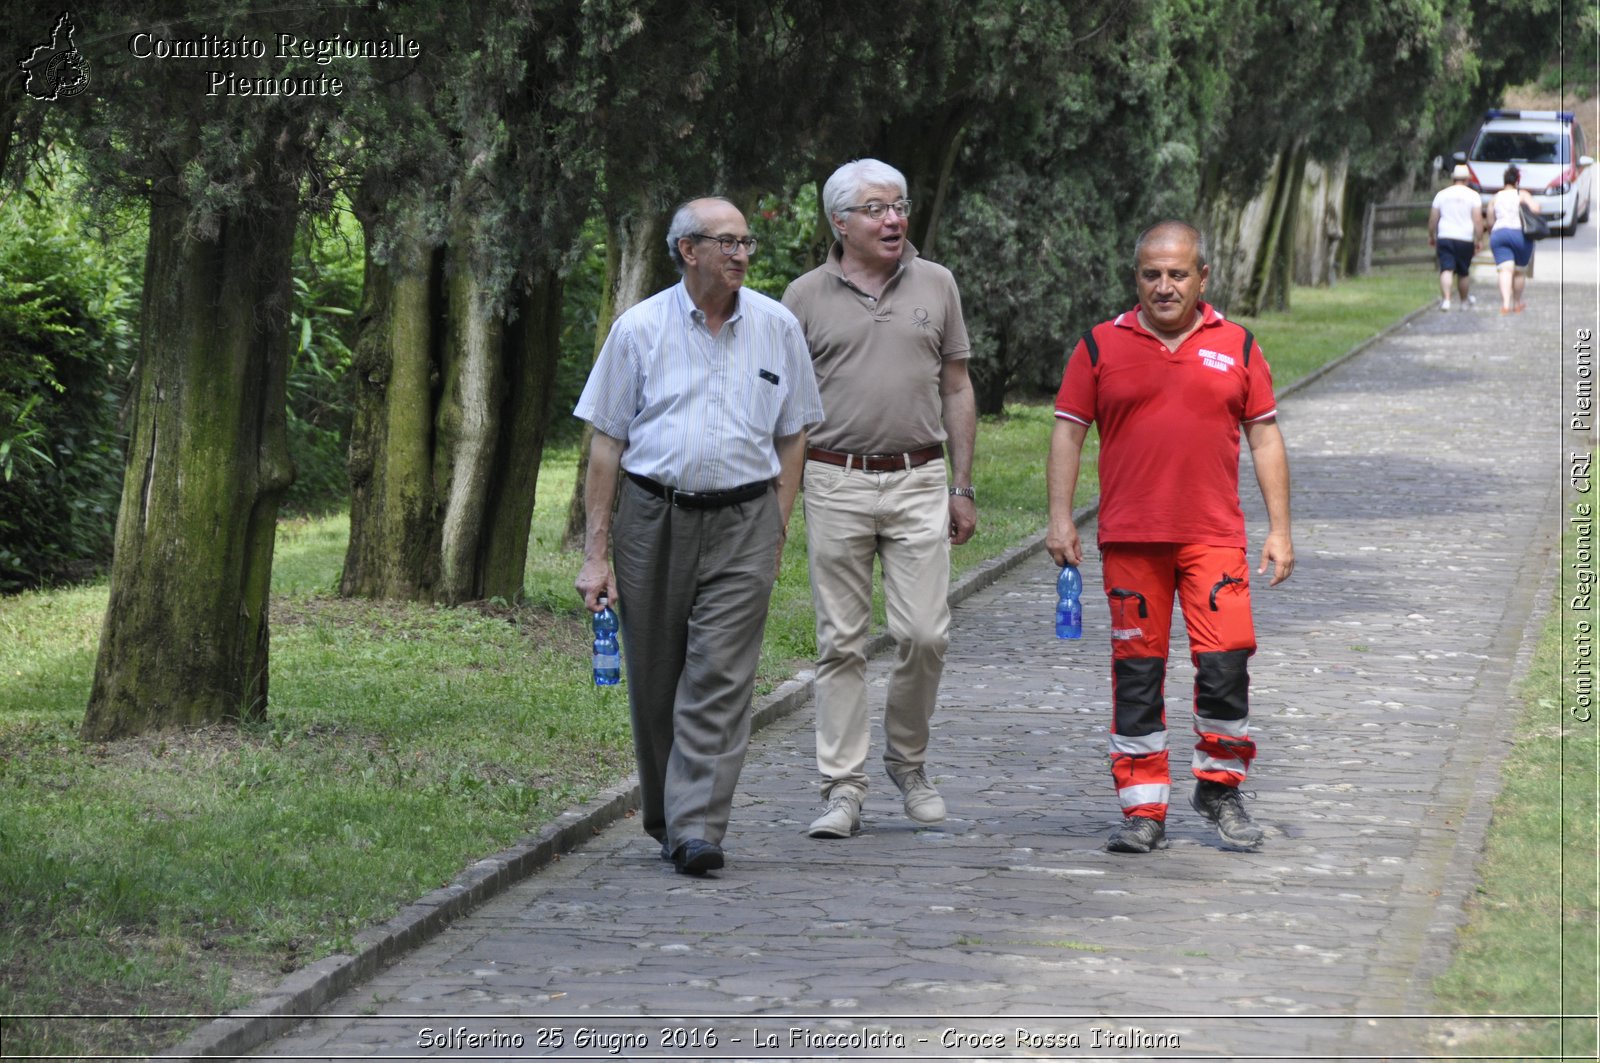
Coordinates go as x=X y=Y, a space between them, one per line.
x=923 y=803
x=1138 y=834
x=1224 y=806
x=842 y=819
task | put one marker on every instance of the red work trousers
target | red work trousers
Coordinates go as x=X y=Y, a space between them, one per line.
x=1213 y=585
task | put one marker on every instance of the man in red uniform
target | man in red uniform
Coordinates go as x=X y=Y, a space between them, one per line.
x=1170 y=383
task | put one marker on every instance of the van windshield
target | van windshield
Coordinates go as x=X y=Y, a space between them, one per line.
x=1504 y=146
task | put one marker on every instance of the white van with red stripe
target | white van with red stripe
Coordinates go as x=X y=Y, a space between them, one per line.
x=1549 y=150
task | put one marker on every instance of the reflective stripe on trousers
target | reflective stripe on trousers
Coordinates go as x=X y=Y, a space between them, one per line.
x=1213 y=585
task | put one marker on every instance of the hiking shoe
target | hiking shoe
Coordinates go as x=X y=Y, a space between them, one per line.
x=842 y=819
x=1138 y=834
x=923 y=803
x=1224 y=806
x=1444 y=304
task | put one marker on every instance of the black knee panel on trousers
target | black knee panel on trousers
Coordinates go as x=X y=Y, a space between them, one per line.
x=1137 y=704
x=1222 y=685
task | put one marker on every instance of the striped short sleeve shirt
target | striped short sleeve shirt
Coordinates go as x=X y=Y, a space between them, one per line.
x=700 y=412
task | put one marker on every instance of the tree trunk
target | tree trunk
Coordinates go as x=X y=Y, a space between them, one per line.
x=393 y=550
x=1268 y=288
x=185 y=638
x=532 y=351
x=636 y=267
x=10 y=103
x=1353 y=208
x=945 y=163
x=991 y=379
x=924 y=148
x=1320 y=229
x=1281 y=263
x=468 y=424
x=1235 y=230
x=450 y=423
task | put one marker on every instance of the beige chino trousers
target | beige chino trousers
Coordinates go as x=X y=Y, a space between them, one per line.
x=902 y=520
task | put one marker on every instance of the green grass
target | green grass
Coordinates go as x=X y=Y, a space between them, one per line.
x=1532 y=943
x=187 y=872
x=1296 y=342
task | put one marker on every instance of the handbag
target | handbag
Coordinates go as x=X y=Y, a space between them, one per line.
x=1534 y=227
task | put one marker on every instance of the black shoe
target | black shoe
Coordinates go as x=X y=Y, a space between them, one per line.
x=666 y=850
x=1224 y=806
x=696 y=857
x=1138 y=834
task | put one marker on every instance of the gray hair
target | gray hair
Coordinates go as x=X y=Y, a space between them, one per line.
x=845 y=187
x=1166 y=229
x=685 y=222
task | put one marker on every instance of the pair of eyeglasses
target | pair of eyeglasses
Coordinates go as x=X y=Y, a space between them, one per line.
x=876 y=210
x=730 y=244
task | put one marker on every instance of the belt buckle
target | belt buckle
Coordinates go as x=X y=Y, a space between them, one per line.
x=689 y=499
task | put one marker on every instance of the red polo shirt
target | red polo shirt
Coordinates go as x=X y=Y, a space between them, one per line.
x=1169 y=427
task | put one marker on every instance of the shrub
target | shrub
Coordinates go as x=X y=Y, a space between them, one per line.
x=329 y=273
x=69 y=287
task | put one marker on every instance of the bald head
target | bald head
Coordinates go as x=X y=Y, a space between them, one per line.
x=1169 y=273
x=1174 y=233
x=692 y=217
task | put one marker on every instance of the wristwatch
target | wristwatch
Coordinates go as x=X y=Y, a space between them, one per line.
x=965 y=492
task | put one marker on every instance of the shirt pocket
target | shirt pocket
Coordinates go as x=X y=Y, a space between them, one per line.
x=760 y=398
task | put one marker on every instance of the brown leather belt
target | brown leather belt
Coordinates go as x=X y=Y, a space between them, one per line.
x=877 y=462
x=703 y=499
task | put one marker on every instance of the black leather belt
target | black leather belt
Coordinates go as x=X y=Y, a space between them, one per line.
x=877 y=462
x=702 y=499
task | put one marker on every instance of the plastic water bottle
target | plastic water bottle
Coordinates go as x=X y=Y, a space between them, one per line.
x=607 y=653
x=1069 y=610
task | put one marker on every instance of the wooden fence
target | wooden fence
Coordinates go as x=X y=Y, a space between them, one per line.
x=1395 y=234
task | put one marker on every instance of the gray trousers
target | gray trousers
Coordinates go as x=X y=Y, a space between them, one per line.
x=694 y=588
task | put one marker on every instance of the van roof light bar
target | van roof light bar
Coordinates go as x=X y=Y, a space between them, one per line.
x=1564 y=116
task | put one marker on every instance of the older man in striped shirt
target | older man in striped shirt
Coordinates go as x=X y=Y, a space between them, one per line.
x=700 y=401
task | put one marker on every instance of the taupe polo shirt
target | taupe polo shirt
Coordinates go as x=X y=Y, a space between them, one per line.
x=878 y=361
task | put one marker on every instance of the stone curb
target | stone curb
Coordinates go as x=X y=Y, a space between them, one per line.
x=302 y=994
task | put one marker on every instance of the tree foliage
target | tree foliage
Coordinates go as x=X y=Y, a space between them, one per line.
x=511 y=184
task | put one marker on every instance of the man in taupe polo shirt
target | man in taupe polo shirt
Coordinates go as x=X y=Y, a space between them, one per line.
x=890 y=351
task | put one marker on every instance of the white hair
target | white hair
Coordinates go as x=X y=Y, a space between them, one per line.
x=850 y=181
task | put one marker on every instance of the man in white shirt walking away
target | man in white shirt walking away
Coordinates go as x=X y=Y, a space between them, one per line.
x=1455 y=232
